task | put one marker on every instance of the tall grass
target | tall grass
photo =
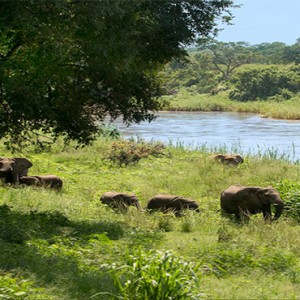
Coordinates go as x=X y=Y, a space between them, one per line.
x=191 y=101
x=155 y=275
x=67 y=245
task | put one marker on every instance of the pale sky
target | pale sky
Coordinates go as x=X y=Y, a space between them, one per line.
x=264 y=21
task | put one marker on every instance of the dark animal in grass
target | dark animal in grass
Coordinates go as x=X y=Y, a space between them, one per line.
x=11 y=169
x=243 y=201
x=51 y=181
x=120 y=201
x=229 y=159
x=176 y=204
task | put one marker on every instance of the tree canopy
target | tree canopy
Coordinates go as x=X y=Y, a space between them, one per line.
x=67 y=65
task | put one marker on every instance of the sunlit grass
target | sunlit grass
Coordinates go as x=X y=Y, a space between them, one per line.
x=67 y=243
x=191 y=101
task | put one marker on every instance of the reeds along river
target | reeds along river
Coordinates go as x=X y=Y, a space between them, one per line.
x=227 y=131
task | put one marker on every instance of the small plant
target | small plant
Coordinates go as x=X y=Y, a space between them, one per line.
x=156 y=275
x=165 y=224
x=16 y=288
x=109 y=130
x=187 y=224
x=290 y=194
x=125 y=152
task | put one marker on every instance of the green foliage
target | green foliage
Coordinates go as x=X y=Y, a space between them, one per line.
x=67 y=65
x=125 y=152
x=269 y=53
x=261 y=83
x=109 y=130
x=224 y=58
x=291 y=54
x=68 y=246
x=290 y=193
x=165 y=223
x=156 y=275
x=191 y=74
x=19 y=289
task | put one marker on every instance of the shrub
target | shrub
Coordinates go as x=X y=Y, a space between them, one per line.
x=165 y=223
x=125 y=152
x=156 y=275
x=109 y=130
x=19 y=288
x=262 y=83
x=290 y=194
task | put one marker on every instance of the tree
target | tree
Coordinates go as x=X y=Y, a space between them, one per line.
x=225 y=57
x=292 y=53
x=264 y=82
x=66 y=65
x=269 y=53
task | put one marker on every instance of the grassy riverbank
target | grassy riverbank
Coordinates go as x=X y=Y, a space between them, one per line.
x=189 y=101
x=68 y=246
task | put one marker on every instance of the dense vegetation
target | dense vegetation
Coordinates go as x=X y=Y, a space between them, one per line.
x=220 y=76
x=66 y=245
x=66 y=65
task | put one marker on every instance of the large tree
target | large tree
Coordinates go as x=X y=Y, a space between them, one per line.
x=224 y=57
x=66 y=65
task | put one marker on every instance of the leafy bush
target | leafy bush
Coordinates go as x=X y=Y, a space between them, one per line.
x=290 y=194
x=156 y=275
x=125 y=152
x=109 y=130
x=12 y=288
x=262 y=83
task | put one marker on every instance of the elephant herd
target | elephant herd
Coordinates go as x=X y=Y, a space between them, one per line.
x=241 y=201
x=164 y=203
x=15 y=171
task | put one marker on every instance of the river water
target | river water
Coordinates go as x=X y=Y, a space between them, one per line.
x=235 y=132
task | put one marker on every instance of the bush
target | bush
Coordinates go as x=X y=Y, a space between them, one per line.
x=156 y=275
x=13 y=288
x=290 y=194
x=125 y=152
x=109 y=130
x=261 y=83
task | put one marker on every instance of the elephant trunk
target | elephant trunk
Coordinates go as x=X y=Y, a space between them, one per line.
x=138 y=206
x=278 y=210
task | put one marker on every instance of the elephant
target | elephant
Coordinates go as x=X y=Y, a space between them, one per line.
x=229 y=159
x=51 y=181
x=120 y=201
x=173 y=203
x=11 y=169
x=242 y=201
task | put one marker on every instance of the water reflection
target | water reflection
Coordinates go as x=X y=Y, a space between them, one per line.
x=247 y=132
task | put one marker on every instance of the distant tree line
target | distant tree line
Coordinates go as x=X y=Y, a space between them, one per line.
x=214 y=66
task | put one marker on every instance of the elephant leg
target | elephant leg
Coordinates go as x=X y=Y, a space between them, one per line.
x=267 y=214
x=244 y=216
x=178 y=213
x=12 y=178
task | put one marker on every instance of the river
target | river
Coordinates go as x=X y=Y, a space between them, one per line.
x=235 y=132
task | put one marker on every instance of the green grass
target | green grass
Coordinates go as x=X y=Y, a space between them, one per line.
x=191 y=101
x=66 y=245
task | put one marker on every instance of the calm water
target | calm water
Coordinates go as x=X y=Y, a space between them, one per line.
x=247 y=133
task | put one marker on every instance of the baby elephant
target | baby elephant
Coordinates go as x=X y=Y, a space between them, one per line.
x=51 y=181
x=173 y=203
x=120 y=201
x=243 y=201
x=229 y=159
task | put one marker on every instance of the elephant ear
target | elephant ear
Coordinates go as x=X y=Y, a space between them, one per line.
x=21 y=164
x=261 y=193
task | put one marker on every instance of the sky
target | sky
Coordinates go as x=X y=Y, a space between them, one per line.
x=264 y=21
